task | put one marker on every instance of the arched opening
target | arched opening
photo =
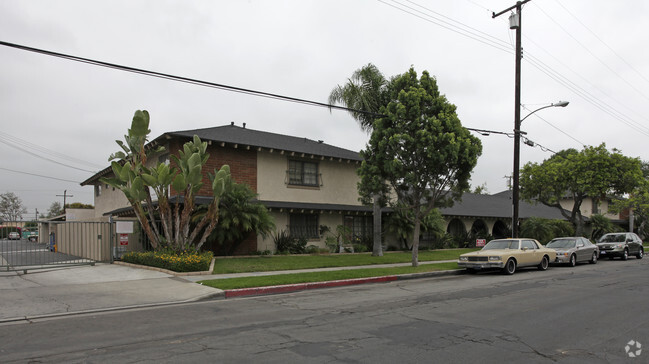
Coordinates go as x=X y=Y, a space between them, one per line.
x=456 y=228
x=479 y=229
x=501 y=230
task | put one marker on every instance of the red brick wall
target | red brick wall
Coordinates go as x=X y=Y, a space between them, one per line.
x=242 y=162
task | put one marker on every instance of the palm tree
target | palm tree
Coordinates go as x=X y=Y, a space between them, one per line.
x=365 y=92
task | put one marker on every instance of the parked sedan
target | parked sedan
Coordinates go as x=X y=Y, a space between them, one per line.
x=14 y=236
x=508 y=255
x=620 y=245
x=573 y=250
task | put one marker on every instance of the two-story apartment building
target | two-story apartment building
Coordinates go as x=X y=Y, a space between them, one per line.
x=304 y=183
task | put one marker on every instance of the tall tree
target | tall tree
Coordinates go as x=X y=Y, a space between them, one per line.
x=11 y=207
x=593 y=172
x=367 y=91
x=55 y=209
x=419 y=150
x=137 y=181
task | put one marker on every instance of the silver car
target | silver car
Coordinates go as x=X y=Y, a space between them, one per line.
x=620 y=245
x=571 y=250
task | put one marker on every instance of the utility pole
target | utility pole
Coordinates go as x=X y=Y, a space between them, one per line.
x=65 y=196
x=515 y=22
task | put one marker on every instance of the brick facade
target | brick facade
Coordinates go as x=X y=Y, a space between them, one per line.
x=242 y=162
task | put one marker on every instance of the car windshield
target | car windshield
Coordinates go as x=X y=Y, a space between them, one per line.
x=613 y=238
x=561 y=243
x=501 y=244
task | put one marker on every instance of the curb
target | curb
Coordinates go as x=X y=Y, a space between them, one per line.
x=288 y=288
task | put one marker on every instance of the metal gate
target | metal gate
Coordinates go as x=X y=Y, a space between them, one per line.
x=55 y=244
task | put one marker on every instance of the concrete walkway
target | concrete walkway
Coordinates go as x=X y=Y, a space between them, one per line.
x=109 y=287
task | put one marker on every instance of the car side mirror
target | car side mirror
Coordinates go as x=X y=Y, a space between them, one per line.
x=580 y=246
x=525 y=248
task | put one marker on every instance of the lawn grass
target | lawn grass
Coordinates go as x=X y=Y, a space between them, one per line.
x=292 y=262
x=294 y=278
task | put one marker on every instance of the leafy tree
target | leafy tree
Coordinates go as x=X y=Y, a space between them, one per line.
x=184 y=181
x=419 y=150
x=594 y=172
x=481 y=190
x=239 y=217
x=638 y=201
x=78 y=205
x=11 y=207
x=55 y=209
x=367 y=91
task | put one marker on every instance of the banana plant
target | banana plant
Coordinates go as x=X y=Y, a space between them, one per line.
x=184 y=180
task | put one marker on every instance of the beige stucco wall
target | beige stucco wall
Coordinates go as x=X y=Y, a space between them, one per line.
x=587 y=207
x=281 y=218
x=339 y=180
x=109 y=200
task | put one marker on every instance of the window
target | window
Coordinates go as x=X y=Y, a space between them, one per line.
x=303 y=225
x=302 y=173
x=98 y=190
x=359 y=226
x=529 y=244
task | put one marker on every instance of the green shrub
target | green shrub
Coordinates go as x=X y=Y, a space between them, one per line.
x=286 y=244
x=185 y=261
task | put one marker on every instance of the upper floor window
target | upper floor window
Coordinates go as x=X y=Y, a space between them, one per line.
x=301 y=173
x=98 y=190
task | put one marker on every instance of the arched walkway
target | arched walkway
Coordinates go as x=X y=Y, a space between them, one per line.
x=456 y=227
x=501 y=230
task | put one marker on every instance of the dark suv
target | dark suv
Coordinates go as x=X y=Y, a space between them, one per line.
x=620 y=245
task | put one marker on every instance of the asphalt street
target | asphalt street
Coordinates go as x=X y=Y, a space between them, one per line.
x=587 y=314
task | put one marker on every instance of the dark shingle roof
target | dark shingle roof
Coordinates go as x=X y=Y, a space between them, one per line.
x=233 y=134
x=498 y=205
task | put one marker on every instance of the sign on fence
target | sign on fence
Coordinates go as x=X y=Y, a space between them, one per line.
x=480 y=242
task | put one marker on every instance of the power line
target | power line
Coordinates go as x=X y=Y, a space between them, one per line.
x=555 y=127
x=602 y=41
x=13 y=139
x=181 y=79
x=593 y=54
x=535 y=62
x=45 y=158
x=38 y=175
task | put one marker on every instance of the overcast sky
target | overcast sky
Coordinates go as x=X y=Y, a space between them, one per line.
x=57 y=114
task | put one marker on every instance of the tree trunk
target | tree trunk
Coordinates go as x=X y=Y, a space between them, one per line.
x=415 y=241
x=377 y=248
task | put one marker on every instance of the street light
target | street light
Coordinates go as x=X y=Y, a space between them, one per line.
x=517 y=153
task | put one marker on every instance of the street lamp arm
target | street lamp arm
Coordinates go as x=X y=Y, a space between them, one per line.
x=558 y=104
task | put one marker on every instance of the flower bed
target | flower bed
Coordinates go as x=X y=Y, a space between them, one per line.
x=186 y=261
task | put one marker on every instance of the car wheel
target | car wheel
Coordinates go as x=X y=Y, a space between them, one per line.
x=510 y=267
x=573 y=260
x=544 y=263
x=640 y=253
x=625 y=255
x=593 y=260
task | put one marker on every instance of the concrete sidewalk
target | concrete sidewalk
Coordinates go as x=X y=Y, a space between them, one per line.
x=81 y=289
x=108 y=287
